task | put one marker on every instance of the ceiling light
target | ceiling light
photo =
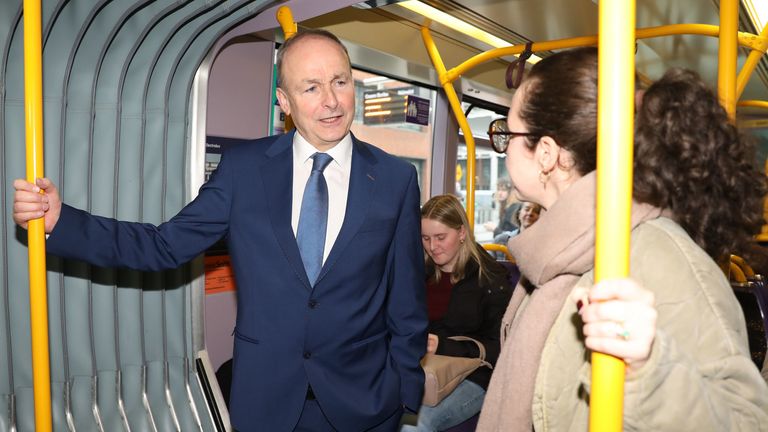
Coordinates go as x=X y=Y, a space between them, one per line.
x=376 y=80
x=758 y=12
x=458 y=25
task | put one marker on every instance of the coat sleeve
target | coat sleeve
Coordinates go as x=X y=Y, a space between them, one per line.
x=406 y=307
x=672 y=392
x=493 y=304
x=108 y=242
x=700 y=376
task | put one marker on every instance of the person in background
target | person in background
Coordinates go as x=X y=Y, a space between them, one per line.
x=675 y=321
x=508 y=207
x=526 y=216
x=323 y=230
x=467 y=293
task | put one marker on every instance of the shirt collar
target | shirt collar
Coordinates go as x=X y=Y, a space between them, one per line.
x=341 y=152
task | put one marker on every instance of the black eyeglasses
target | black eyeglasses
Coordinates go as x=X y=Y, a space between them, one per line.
x=500 y=135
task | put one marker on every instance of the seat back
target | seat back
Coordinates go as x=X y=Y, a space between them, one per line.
x=753 y=298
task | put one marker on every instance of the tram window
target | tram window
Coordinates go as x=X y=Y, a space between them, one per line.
x=382 y=119
x=490 y=172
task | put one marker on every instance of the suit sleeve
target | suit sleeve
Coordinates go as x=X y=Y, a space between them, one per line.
x=108 y=242
x=406 y=308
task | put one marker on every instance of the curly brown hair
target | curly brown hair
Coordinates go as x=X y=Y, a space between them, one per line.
x=691 y=159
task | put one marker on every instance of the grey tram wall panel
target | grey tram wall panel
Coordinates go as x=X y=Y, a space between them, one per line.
x=117 y=83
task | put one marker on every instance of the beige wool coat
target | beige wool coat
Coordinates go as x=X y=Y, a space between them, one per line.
x=699 y=376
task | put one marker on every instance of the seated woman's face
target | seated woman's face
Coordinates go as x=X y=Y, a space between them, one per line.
x=442 y=243
x=529 y=213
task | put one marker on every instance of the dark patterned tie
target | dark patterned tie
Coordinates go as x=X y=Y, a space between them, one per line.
x=313 y=219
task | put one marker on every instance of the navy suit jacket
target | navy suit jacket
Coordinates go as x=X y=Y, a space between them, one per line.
x=356 y=337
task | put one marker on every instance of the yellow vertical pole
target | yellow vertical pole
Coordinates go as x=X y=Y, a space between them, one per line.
x=455 y=103
x=616 y=68
x=726 y=67
x=285 y=18
x=38 y=302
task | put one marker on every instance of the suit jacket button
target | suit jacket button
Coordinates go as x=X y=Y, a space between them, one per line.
x=313 y=304
x=307 y=355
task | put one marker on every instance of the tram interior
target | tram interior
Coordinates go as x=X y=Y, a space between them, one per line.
x=142 y=97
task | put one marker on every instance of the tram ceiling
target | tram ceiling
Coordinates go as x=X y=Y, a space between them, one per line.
x=518 y=21
x=541 y=20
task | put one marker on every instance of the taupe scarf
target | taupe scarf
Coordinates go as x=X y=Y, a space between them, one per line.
x=552 y=254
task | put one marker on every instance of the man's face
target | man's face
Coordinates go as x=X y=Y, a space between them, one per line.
x=318 y=91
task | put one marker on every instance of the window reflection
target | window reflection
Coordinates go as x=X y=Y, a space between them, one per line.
x=382 y=121
x=490 y=173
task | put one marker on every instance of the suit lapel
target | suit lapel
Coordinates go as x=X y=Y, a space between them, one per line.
x=362 y=183
x=277 y=177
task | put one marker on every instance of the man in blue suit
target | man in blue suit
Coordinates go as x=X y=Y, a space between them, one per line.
x=323 y=230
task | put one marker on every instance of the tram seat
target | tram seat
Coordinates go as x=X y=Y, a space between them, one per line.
x=753 y=297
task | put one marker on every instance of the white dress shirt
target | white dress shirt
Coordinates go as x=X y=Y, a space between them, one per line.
x=336 y=176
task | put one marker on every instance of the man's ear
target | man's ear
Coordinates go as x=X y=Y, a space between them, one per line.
x=547 y=153
x=282 y=99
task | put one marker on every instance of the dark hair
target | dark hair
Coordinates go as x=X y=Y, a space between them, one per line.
x=561 y=102
x=298 y=37
x=690 y=158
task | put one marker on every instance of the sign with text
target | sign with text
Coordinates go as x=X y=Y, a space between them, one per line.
x=392 y=106
x=218 y=274
x=417 y=110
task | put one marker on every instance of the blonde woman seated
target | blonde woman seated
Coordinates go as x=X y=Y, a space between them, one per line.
x=467 y=293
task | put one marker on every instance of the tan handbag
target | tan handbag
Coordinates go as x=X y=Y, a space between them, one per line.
x=443 y=373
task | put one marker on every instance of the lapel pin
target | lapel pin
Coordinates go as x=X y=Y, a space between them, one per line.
x=371 y=177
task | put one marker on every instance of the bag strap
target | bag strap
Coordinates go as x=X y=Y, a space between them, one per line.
x=480 y=347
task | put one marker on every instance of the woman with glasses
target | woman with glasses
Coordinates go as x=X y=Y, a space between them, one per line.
x=675 y=321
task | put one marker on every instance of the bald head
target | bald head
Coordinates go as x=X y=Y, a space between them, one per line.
x=297 y=40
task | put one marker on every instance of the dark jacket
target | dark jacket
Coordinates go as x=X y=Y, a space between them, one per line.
x=355 y=336
x=475 y=310
x=508 y=220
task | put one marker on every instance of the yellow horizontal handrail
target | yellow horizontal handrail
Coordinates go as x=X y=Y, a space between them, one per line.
x=493 y=247
x=742 y=264
x=753 y=103
x=735 y=273
x=755 y=42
